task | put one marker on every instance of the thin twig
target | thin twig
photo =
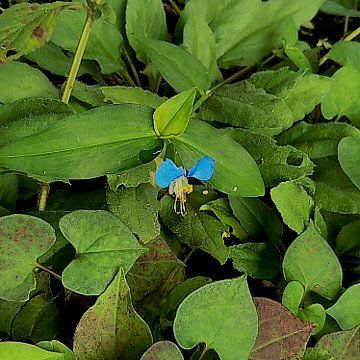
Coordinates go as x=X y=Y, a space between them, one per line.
x=44 y=193
x=175 y=7
x=45 y=268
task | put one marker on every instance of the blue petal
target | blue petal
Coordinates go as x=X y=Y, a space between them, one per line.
x=203 y=170
x=168 y=172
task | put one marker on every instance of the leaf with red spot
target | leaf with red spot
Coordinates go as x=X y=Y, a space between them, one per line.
x=23 y=239
x=282 y=336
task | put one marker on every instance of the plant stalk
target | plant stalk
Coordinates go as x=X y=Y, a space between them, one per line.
x=45 y=268
x=44 y=192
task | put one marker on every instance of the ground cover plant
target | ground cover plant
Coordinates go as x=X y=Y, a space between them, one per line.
x=180 y=180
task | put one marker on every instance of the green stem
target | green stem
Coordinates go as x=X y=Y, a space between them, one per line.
x=45 y=268
x=175 y=7
x=78 y=56
x=132 y=67
x=206 y=349
x=44 y=192
x=346 y=25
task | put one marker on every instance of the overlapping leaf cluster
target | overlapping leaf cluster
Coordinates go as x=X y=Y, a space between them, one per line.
x=267 y=255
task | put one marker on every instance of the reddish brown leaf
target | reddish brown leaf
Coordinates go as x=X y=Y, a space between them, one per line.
x=282 y=336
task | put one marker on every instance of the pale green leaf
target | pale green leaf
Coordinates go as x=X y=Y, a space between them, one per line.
x=221 y=315
x=348 y=238
x=10 y=350
x=112 y=329
x=317 y=354
x=349 y=158
x=103 y=243
x=346 y=311
x=314 y=314
x=58 y=347
x=346 y=52
x=90 y=144
x=23 y=240
x=311 y=261
x=22 y=81
x=163 y=350
x=292 y=296
x=235 y=170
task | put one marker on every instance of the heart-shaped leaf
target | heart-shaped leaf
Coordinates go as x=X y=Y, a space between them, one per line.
x=214 y=314
x=23 y=239
x=163 y=350
x=112 y=329
x=349 y=158
x=103 y=244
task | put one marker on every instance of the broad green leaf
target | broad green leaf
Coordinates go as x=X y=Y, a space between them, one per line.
x=276 y=163
x=214 y=314
x=294 y=205
x=235 y=170
x=346 y=52
x=23 y=240
x=314 y=314
x=349 y=158
x=221 y=208
x=22 y=81
x=311 y=261
x=281 y=334
x=103 y=243
x=131 y=95
x=10 y=350
x=258 y=260
x=104 y=45
x=29 y=116
x=348 y=238
x=342 y=99
x=145 y=19
x=151 y=270
x=179 y=68
x=292 y=296
x=172 y=117
x=163 y=350
x=138 y=208
x=292 y=86
x=317 y=140
x=198 y=230
x=199 y=40
x=334 y=191
x=9 y=187
x=58 y=347
x=88 y=94
x=26 y=27
x=112 y=329
x=346 y=311
x=90 y=144
x=242 y=105
x=341 y=8
x=257 y=219
x=317 y=354
x=342 y=345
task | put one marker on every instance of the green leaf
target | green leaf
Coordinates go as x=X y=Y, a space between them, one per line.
x=137 y=208
x=104 y=45
x=348 y=238
x=22 y=81
x=90 y=144
x=257 y=219
x=26 y=27
x=235 y=170
x=179 y=68
x=340 y=8
x=198 y=230
x=334 y=191
x=9 y=188
x=292 y=86
x=258 y=260
x=276 y=163
x=311 y=261
x=346 y=52
x=131 y=95
x=243 y=105
x=123 y=335
x=317 y=354
x=314 y=314
x=342 y=99
x=292 y=296
x=19 y=351
x=172 y=117
x=162 y=350
x=23 y=240
x=342 y=345
x=281 y=335
x=149 y=24
x=212 y=315
x=294 y=205
x=317 y=140
x=346 y=311
x=103 y=243
x=88 y=94
x=349 y=158
x=151 y=270
x=58 y=347
x=199 y=40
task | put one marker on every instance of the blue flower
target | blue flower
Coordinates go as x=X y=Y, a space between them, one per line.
x=176 y=178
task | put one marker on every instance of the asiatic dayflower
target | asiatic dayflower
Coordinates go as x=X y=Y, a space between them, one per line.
x=176 y=178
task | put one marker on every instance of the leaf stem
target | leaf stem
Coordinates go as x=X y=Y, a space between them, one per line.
x=78 y=56
x=44 y=192
x=45 y=268
x=175 y=7
x=206 y=349
x=132 y=67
